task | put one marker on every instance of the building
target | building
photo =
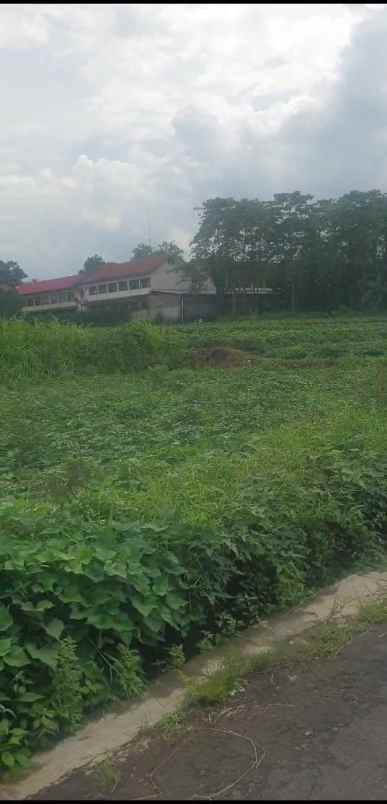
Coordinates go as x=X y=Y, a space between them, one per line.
x=149 y=289
x=49 y=294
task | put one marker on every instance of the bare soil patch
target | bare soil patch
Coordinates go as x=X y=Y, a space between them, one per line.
x=222 y=357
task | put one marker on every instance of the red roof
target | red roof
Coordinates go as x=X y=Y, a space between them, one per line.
x=48 y=285
x=109 y=271
x=117 y=270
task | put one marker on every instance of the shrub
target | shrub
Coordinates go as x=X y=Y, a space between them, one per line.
x=81 y=603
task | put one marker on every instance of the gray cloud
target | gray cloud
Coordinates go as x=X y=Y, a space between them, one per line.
x=116 y=115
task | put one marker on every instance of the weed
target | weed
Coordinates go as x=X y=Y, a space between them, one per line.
x=138 y=512
x=66 y=698
x=217 y=685
x=176 y=657
x=174 y=721
x=108 y=775
x=374 y=612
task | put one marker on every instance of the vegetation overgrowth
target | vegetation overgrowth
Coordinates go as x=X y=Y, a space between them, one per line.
x=142 y=513
x=39 y=349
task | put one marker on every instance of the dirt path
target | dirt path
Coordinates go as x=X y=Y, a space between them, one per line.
x=317 y=733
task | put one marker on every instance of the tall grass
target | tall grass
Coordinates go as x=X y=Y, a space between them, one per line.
x=41 y=349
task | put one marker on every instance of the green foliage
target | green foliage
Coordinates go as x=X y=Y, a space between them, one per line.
x=317 y=254
x=92 y=263
x=39 y=349
x=143 y=514
x=218 y=685
x=169 y=248
x=10 y=273
x=66 y=696
x=10 y=303
x=176 y=656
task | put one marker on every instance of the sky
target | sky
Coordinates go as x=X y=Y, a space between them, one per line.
x=119 y=120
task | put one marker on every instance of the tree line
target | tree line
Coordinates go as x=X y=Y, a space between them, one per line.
x=315 y=254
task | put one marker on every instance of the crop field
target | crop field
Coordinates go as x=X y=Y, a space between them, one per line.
x=150 y=500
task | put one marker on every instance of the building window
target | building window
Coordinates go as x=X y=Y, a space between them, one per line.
x=53 y=300
x=37 y=300
x=101 y=288
x=112 y=287
x=145 y=283
x=134 y=284
x=69 y=296
x=123 y=285
x=92 y=290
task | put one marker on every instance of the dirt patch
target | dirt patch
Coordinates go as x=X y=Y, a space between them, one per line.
x=222 y=357
x=294 y=733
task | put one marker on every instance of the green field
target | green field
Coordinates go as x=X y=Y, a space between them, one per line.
x=148 y=504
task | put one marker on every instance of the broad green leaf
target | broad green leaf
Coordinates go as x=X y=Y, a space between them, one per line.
x=54 y=628
x=142 y=605
x=5 y=619
x=7 y=759
x=43 y=605
x=30 y=697
x=101 y=620
x=47 y=656
x=154 y=624
x=16 y=658
x=174 y=601
x=161 y=586
x=5 y=645
x=22 y=759
x=78 y=614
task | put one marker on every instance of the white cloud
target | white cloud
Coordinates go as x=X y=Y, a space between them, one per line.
x=117 y=115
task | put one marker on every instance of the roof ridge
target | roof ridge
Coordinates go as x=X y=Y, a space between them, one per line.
x=108 y=271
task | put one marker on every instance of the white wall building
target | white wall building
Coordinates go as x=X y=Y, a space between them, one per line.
x=151 y=288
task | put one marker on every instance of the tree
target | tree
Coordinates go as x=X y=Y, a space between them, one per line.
x=174 y=253
x=10 y=303
x=10 y=273
x=92 y=264
x=171 y=250
x=141 y=251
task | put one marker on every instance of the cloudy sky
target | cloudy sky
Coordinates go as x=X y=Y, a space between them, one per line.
x=117 y=120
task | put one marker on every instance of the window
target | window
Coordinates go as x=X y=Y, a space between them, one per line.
x=134 y=284
x=37 y=300
x=112 y=287
x=145 y=283
x=101 y=288
x=53 y=300
x=123 y=285
x=92 y=290
x=69 y=295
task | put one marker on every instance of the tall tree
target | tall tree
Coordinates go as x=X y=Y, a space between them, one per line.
x=318 y=254
x=92 y=264
x=142 y=250
x=10 y=273
x=174 y=253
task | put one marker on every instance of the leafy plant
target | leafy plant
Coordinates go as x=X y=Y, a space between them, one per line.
x=141 y=518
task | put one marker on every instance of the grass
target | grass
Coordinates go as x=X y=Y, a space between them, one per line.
x=164 y=507
x=107 y=776
x=319 y=642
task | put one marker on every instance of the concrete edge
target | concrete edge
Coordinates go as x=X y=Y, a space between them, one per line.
x=115 y=730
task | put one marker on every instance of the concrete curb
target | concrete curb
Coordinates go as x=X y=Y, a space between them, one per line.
x=113 y=731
